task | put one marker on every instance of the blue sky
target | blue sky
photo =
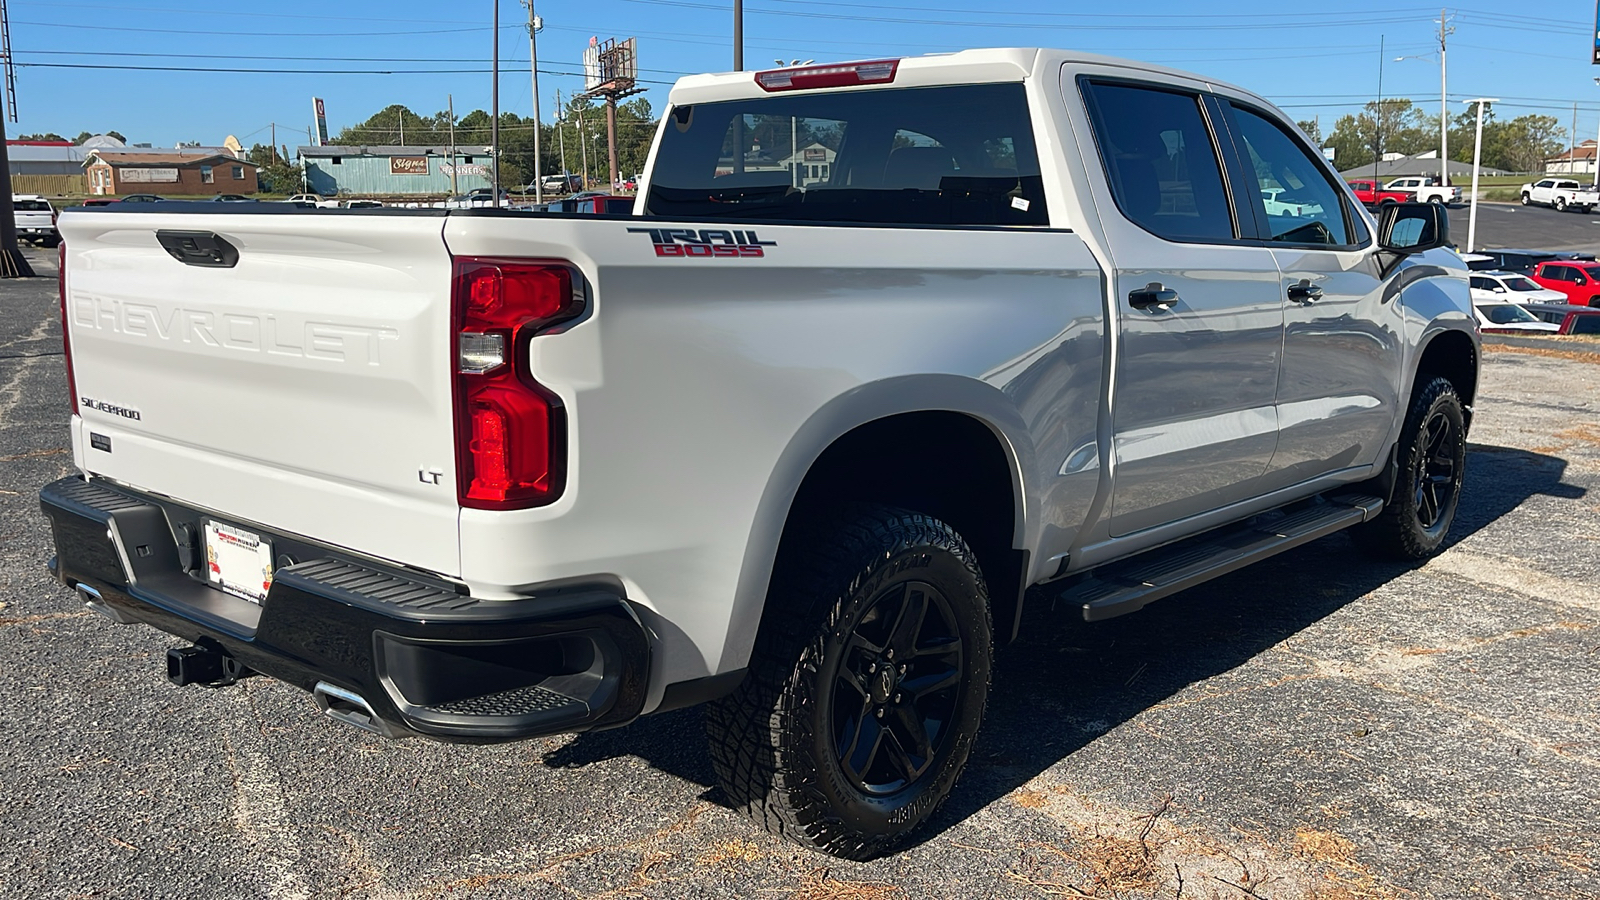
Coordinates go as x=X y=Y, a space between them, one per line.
x=1535 y=55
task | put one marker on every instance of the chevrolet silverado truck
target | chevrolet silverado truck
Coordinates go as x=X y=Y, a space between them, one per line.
x=885 y=348
x=1562 y=194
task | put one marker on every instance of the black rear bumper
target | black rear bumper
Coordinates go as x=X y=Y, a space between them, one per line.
x=425 y=657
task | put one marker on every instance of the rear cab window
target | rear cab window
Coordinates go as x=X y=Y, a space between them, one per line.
x=960 y=155
x=1160 y=160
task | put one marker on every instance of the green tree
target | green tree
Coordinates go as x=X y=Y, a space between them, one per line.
x=44 y=136
x=1313 y=130
x=1393 y=126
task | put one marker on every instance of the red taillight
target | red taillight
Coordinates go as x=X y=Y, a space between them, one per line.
x=878 y=71
x=66 y=341
x=510 y=431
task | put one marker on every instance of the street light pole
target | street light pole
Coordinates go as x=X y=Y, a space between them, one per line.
x=738 y=35
x=494 y=124
x=1477 y=154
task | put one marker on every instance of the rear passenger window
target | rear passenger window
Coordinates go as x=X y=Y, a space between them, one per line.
x=1160 y=160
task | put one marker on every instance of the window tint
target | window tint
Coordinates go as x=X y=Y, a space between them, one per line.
x=1482 y=284
x=30 y=205
x=1307 y=208
x=1522 y=284
x=1160 y=161
x=960 y=155
x=1585 y=325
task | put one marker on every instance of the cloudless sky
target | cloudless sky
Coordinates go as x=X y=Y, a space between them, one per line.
x=1313 y=62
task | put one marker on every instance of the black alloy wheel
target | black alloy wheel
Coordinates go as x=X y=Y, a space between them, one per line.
x=866 y=686
x=1430 y=462
x=897 y=683
x=1437 y=480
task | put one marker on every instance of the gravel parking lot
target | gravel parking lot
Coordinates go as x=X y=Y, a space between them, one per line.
x=1319 y=726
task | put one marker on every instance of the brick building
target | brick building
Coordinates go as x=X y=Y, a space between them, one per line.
x=176 y=172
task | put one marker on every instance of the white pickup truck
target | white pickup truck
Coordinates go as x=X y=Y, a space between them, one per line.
x=1561 y=193
x=1425 y=190
x=885 y=346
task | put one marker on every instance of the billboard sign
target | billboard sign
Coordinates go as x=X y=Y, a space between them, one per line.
x=147 y=176
x=320 y=136
x=610 y=67
x=1596 y=60
x=408 y=165
x=464 y=169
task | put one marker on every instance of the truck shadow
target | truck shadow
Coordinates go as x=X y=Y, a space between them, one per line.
x=1066 y=683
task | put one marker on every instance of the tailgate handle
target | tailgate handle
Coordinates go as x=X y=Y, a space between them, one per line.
x=199 y=248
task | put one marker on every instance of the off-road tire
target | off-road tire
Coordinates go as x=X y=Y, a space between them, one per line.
x=775 y=742
x=1415 y=523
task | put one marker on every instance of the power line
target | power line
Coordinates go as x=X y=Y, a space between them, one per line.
x=252 y=71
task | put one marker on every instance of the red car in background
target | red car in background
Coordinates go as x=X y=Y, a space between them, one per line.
x=1371 y=193
x=1578 y=279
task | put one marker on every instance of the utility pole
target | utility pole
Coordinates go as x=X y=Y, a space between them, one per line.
x=450 y=107
x=12 y=263
x=561 y=135
x=1597 y=153
x=738 y=35
x=611 y=138
x=274 y=143
x=534 y=26
x=494 y=126
x=402 y=126
x=1572 y=155
x=1445 y=30
x=583 y=150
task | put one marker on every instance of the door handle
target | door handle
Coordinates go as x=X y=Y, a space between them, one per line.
x=1153 y=295
x=1305 y=292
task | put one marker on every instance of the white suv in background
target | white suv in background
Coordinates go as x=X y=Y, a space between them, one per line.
x=36 y=221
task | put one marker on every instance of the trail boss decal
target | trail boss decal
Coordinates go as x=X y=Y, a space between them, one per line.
x=706 y=243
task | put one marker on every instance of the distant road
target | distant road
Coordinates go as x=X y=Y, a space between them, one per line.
x=1533 y=227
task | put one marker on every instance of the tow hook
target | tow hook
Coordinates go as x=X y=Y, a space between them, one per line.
x=204 y=663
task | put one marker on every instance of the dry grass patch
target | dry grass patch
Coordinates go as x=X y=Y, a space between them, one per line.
x=819 y=885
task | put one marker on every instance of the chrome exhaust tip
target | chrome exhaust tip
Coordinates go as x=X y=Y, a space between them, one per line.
x=96 y=603
x=350 y=708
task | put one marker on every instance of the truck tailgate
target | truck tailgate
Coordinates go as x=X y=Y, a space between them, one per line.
x=306 y=388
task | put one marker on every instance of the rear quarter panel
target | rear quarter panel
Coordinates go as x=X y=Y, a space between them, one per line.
x=700 y=390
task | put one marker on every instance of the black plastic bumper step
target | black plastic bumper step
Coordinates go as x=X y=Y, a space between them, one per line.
x=1123 y=587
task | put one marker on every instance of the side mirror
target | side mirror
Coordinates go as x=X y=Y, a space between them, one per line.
x=1407 y=228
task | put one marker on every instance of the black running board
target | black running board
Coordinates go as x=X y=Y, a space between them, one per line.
x=1123 y=587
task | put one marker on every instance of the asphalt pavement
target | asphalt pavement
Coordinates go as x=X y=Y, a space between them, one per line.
x=1526 y=227
x=1317 y=726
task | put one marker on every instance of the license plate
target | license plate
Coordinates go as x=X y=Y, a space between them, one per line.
x=238 y=561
